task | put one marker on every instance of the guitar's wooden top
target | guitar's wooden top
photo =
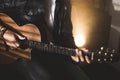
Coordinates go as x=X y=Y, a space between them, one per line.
x=34 y=41
x=28 y=30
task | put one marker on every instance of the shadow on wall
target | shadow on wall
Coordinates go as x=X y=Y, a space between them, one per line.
x=114 y=40
x=115 y=12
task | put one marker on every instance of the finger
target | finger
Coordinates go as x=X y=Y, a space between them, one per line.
x=75 y=58
x=17 y=44
x=80 y=56
x=84 y=49
x=20 y=37
x=12 y=44
x=87 y=59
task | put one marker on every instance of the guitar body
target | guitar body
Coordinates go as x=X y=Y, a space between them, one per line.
x=34 y=41
x=28 y=30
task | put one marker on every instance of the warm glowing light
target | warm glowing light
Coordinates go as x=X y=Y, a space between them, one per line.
x=83 y=20
x=79 y=40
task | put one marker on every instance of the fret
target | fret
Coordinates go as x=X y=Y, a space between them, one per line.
x=102 y=55
x=50 y=48
x=43 y=49
x=59 y=50
x=55 y=47
x=62 y=50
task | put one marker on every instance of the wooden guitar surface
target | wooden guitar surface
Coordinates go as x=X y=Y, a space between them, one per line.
x=34 y=41
x=28 y=30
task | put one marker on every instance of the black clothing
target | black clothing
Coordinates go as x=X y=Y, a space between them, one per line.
x=42 y=66
x=45 y=66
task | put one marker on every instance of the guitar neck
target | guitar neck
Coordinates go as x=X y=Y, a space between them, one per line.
x=51 y=48
x=99 y=56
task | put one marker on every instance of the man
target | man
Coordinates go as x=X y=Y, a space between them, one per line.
x=42 y=66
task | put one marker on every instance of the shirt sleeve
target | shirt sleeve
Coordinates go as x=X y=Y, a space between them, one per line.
x=62 y=24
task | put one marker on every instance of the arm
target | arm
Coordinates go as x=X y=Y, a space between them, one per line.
x=63 y=29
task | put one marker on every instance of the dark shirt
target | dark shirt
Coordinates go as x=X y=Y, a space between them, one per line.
x=33 y=11
x=45 y=66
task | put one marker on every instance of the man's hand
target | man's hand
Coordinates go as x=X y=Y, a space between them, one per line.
x=79 y=56
x=10 y=39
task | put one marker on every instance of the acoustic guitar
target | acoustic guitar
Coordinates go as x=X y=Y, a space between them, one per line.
x=33 y=40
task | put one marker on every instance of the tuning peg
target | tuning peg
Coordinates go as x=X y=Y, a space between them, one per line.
x=113 y=51
x=111 y=55
x=101 y=48
x=105 y=53
x=111 y=59
x=107 y=50
x=105 y=59
x=99 y=52
x=92 y=56
x=99 y=60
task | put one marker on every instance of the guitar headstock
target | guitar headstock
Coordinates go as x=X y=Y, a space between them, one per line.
x=104 y=55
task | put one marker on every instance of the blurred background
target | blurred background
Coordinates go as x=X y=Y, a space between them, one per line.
x=96 y=23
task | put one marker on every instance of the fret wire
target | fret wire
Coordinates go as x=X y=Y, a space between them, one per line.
x=60 y=50
x=73 y=52
x=68 y=51
x=63 y=50
x=49 y=48
x=57 y=50
x=52 y=48
x=41 y=46
x=45 y=46
x=33 y=43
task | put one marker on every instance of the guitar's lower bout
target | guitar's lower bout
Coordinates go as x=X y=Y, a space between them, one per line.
x=34 y=41
x=28 y=30
x=9 y=55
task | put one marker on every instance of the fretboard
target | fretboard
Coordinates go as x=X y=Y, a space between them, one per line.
x=51 y=48
x=98 y=56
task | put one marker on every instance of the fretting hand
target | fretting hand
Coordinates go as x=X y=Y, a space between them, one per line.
x=80 y=57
